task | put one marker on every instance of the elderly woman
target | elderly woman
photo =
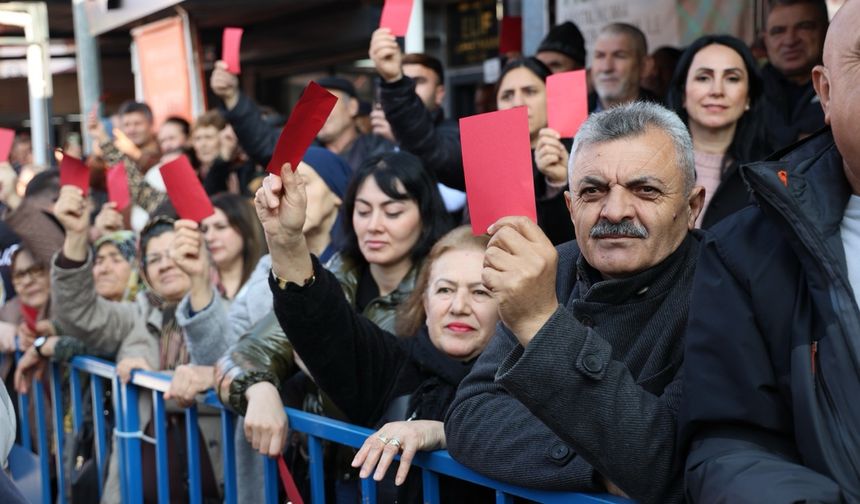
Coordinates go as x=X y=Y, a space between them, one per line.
x=370 y=374
x=142 y=333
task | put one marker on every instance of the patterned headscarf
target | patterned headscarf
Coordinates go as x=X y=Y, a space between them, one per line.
x=126 y=244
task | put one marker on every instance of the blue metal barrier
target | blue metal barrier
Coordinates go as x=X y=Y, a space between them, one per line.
x=129 y=436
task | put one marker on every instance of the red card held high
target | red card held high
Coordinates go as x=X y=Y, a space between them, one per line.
x=117 y=186
x=7 y=137
x=306 y=120
x=395 y=16
x=511 y=35
x=74 y=172
x=230 y=43
x=185 y=190
x=497 y=162
x=566 y=102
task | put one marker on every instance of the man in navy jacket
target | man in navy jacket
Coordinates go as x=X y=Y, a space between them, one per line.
x=772 y=364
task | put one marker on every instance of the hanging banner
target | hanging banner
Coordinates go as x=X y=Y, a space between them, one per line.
x=166 y=71
x=658 y=19
x=673 y=23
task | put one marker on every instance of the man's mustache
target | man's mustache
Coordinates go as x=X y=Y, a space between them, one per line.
x=626 y=228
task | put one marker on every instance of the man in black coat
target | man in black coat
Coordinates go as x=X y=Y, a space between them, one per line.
x=411 y=95
x=771 y=410
x=579 y=388
x=339 y=134
x=793 y=38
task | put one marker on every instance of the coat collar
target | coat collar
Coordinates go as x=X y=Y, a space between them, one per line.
x=652 y=282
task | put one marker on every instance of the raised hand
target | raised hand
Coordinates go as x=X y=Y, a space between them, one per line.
x=519 y=268
x=281 y=204
x=225 y=85
x=108 y=220
x=386 y=55
x=551 y=156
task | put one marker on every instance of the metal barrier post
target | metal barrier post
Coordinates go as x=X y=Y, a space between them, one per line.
x=23 y=412
x=44 y=447
x=431 y=486
x=59 y=429
x=228 y=431
x=316 y=469
x=77 y=396
x=368 y=491
x=195 y=487
x=159 y=417
x=503 y=498
x=270 y=479
x=131 y=440
x=97 y=394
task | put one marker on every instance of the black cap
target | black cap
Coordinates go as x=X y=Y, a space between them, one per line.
x=566 y=39
x=339 y=84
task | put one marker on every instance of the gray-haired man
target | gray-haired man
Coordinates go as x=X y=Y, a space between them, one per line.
x=580 y=386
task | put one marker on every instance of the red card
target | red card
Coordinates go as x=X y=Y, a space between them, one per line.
x=395 y=16
x=30 y=315
x=74 y=172
x=566 y=102
x=306 y=120
x=7 y=136
x=497 y=162
x=185 y=190
x=230 y=43
x=117 y=186
x=511 y=35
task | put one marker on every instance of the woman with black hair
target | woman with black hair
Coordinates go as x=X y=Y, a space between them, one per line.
x=716 y=90
x=523 y=83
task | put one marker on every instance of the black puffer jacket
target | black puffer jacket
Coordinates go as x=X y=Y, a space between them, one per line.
x=771 y=408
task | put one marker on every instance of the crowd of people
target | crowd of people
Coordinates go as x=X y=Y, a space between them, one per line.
x=680 y=323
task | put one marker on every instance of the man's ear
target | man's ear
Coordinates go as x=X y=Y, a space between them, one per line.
x=352 y=107
x=696 y=201
x=439 y=95
x=821 y=83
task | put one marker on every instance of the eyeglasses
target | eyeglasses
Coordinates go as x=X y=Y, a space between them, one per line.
x=34 y=271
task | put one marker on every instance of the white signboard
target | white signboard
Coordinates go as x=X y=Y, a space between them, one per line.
x=658 y=19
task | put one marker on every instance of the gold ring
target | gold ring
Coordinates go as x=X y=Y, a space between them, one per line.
x=394 y=441
x=382 y=438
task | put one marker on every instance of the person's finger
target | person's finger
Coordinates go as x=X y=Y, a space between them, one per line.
x=523 y=225
x=272 y=188
x=372 y=457
x=409 y=450
x=185 y=224
x=388 y=453
x=498 y=259
x=263 y=442
x=276 y=443
x=221 y=65
x=358 y=460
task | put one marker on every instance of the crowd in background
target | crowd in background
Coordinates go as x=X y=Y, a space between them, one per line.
x=353 y=288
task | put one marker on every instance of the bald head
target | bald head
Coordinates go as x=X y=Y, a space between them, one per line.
x=837 y=83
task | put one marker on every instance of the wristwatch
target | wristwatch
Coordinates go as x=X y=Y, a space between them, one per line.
x=37 y=345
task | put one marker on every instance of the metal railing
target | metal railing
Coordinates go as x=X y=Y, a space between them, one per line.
x=129 y=436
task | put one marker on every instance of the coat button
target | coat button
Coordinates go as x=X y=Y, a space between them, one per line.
x=592 y=363
x=559 y=451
